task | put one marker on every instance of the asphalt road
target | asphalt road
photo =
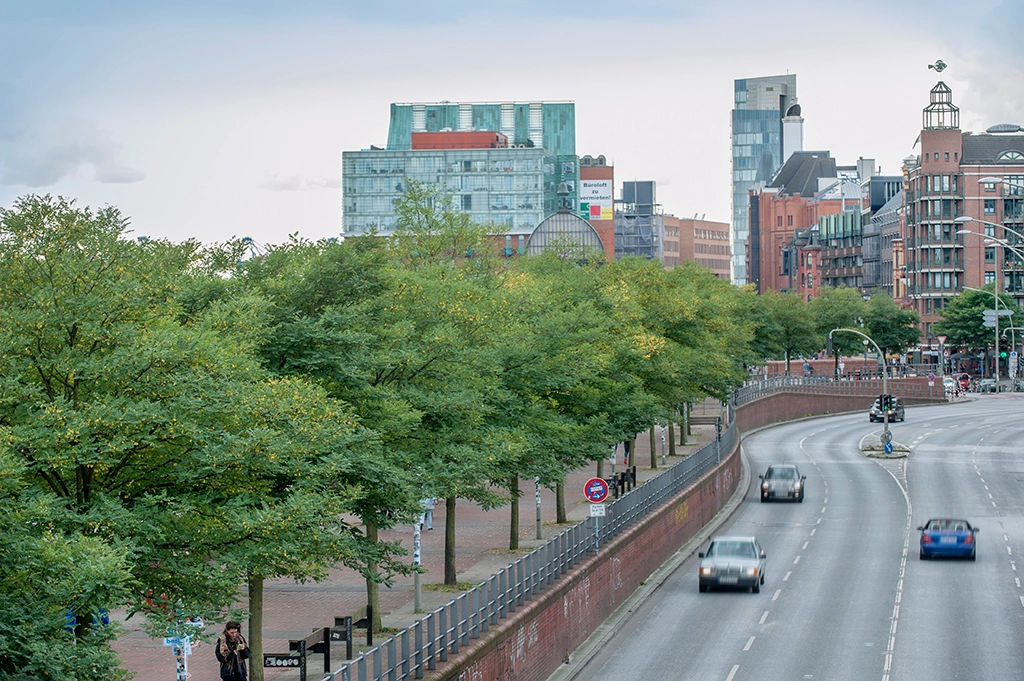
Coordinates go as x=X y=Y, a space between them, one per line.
x=845 y=594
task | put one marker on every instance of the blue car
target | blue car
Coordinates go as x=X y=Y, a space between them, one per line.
x=948 y=537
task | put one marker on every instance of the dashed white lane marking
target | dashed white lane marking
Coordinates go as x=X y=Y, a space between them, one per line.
x=796 y=560
x=732 y=674
x=822 y=509
x=805 y=545
x=903 y=569
x=826 y=500
x=818 y=522
x=763 y=617
x=750 y=642
x=993 y=504
x=986 y=489
x=1006 y=538
x=1016 y=581
x=786 y=578
x=813 y=531
x=776 y=596
x=1022 y=600
x=1013 y=566
x=1009 y=551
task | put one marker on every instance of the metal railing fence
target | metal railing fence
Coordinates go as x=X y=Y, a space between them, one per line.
x=825 y=385
x=412 y=652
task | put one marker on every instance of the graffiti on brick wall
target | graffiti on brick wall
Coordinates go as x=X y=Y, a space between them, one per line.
x=616 y=574
x=576 y=603
x=682 y=512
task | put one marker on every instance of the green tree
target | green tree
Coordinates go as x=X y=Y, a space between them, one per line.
x=892 y=327
x=839 y=308
x=785 y=326
x=962 y=319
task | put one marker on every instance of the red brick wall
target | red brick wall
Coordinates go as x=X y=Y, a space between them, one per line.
x=536 y=639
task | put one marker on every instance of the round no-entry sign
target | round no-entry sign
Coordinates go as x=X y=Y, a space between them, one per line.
x=596 y=490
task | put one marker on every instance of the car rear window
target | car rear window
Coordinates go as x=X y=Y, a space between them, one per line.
x=742 y=549
x=781 y=473
x=945 y=524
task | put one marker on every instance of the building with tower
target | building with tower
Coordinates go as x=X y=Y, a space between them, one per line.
x=767 y=128
x=963 y=210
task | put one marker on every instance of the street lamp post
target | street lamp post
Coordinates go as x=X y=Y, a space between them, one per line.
x=885 y=374
x=995 y=291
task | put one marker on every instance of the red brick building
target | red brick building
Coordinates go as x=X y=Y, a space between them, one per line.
x=962 y=181
x=597 y=199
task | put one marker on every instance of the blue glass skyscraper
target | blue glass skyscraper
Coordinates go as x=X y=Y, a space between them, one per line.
x=757 y=150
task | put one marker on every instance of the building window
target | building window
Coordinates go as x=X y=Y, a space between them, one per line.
x=789 y=220
x=990 y=231
x=945 y=183
x=990 y=254
x=990 y=277
x=988 y=186
x=778 y=222
x=928 y=306
x=990 y=206
x=810 y=281
x=947 y=156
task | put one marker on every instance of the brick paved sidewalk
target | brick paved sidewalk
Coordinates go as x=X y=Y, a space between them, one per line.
x=292 y=610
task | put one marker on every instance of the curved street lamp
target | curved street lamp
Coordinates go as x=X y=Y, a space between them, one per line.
x=885 y=373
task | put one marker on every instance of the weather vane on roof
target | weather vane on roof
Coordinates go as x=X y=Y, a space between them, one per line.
x=939 y=66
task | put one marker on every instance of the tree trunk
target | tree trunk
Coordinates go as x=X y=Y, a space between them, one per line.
x=600 y=468
x=513 y=527
x=672 y=439
x=654 y=451
x=255 y=627
x=632 y=450
x=560 y=516
x=450 y=576
x=686 y=417
x=372 y=586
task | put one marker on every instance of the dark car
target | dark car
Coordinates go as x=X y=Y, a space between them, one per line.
x=948 y=537
x=988 y=385
x=887 y=403
x=782 y=482
x=732 y=562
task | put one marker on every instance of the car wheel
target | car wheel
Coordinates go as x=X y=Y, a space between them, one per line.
x=756 y=589
x=974 y=554
x=923 y=557
x=702 y=587
x=801 y=500
x=762 y=578
x=763 y=498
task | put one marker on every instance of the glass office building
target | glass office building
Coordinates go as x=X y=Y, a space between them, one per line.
x=757 y=143
x=513 y=188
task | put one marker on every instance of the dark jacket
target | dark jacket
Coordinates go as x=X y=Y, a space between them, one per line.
x=232 y=661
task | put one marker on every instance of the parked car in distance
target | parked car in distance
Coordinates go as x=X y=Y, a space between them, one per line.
x=964 y=379
x=950 y=384
x=948 y=537
x=732 y=562
x=988 y=385
x=887 y=403
x=782 y=482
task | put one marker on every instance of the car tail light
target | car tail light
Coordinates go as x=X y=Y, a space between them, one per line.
x=926 y=539
x=969 y=539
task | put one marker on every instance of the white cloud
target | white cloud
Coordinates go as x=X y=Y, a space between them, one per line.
x=297 y=183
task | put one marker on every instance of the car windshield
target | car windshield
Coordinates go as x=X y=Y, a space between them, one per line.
x=946 y=525
x=740 y=549
x=781 y=474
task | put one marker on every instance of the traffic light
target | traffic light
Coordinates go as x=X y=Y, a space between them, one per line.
x=1002 y=354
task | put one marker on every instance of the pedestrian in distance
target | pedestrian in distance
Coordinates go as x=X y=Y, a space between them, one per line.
x=232 y=651
x=428 y=512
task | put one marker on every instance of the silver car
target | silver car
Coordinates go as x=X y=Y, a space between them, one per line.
x=732 y=562
x=783 y=482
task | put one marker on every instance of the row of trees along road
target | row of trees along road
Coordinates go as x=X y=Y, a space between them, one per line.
x=177 y=420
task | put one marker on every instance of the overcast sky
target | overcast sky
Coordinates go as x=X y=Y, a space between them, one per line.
x=220 y=118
